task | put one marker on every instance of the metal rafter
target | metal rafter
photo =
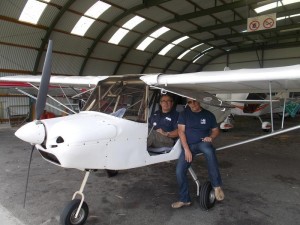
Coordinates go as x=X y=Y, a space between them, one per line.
x=146 y=3
x=186 y=17
x=280 y=12
x=250 y=34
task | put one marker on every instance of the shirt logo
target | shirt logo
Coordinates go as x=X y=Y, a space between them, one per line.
x=203 y=121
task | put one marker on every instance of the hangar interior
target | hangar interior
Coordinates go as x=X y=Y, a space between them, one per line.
x=114 y=37
x=132 y=37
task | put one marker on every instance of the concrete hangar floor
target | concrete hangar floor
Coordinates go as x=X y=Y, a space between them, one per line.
x=261 y=185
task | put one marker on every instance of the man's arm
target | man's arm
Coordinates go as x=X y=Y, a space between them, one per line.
x=171 y=134
x=186 y=148
x=214 y=133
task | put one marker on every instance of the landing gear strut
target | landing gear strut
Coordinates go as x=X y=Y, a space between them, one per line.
x=76 y=211
x=205 y=192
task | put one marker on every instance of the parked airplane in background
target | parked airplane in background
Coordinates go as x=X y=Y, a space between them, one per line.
x=253 y=105
x=111 y=130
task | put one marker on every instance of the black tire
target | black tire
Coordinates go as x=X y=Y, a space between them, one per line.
x=68 y=215
x=112 y=173
x=207 y=197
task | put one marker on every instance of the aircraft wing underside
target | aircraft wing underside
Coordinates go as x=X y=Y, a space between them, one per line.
x=232 y=81
x=203 y=97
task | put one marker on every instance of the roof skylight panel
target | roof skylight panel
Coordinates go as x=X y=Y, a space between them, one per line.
x=97 y=9
x=274 y=5
x=82 y=26
x=118 y=36
x=147 y=41
x=166 y=49
x=121 y=32
x=89 y=18
x=187 y=51
x=183 y=54
x=286 y=17
x=133 y=22
x=159 y=32
x=204 y=52
x=266 y=7
x=33 y=11
x=196 y=46
x=199 y=57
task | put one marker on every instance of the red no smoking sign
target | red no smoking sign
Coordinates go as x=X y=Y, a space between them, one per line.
x=268 y=23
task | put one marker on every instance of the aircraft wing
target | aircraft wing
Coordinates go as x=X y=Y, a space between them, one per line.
x=57 y=80
x=231 y=81
x=59 y=85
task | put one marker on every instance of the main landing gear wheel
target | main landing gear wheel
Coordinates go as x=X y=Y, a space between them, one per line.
x=112 y=173
x=68 y=215
x=207 y=197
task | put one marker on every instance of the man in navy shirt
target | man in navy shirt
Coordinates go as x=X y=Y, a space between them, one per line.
x=197 y=128
x=163 y=124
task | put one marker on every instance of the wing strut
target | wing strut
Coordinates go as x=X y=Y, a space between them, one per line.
x=260 y=137
x=33 y=97
x=283 y=113
x=56 y=100
x=271 y=105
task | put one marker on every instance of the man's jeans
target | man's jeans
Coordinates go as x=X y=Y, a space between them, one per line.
x=182 y=167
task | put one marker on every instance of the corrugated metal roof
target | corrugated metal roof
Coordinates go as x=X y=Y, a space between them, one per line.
x=218 y=24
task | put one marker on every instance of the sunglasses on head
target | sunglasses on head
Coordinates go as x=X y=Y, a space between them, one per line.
x=191 y=101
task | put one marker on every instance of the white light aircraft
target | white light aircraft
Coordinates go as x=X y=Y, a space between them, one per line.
x=111 y=130
x=253 y=105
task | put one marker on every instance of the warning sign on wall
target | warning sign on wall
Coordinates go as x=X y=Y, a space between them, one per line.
x=264 y=22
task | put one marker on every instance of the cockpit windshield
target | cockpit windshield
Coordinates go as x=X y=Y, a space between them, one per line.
x=126 y=98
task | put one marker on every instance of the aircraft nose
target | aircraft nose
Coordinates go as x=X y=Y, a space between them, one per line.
x=33 y=132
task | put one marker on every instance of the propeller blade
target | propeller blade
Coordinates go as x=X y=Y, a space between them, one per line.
x=43 y=90
x=28 y=176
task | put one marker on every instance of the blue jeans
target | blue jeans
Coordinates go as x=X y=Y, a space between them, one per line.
x=182 y=167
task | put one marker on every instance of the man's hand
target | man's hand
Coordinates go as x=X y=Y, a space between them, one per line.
x=207 y=139
x=159 y=130
x=188 y=155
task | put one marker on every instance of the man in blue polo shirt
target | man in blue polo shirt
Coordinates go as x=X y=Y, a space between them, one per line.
x=197 y=128
x=163 y=124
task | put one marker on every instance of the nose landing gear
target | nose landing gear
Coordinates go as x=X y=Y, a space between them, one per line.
x=76 y=211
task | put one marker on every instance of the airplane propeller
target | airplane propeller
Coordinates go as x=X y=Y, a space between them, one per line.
x=43 y=90
x=27 y=178
x=34 y=132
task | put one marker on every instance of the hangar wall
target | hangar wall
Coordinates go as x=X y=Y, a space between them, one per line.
x=17 y=107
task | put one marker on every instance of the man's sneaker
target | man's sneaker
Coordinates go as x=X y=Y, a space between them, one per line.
x=177 y=205
x=219 y=194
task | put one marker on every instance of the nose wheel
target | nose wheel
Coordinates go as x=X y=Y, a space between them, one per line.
x=76 y=211
x=68 y=216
